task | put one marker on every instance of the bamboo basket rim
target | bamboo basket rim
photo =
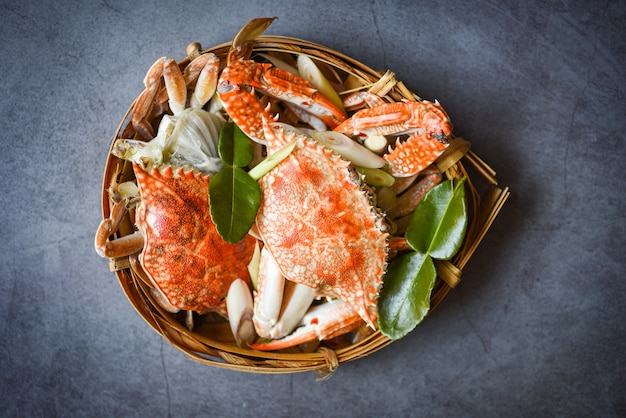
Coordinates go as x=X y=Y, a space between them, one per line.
x=323 y=360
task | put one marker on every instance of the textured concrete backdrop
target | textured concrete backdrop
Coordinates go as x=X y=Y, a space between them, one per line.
x=536 y=327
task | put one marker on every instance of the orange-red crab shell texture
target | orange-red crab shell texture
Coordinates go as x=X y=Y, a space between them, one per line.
x=321 y=228
x=183 y=253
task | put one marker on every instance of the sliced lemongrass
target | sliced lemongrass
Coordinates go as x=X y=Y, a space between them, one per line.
x=309 y=71
x=353 y=83
x=253 y=266
x=272 y=161
x=278 y=63
x=376 y=177
x=376 y=143
x=385 y=198
x=349 y=149
x=331 y=75
x=239 y=305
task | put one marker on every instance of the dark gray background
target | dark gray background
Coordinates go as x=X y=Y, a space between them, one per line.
x=536 y=327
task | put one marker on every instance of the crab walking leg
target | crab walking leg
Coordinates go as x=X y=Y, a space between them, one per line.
x=322 y=322
x=294 y=89
x=145 y=102
x=362 y=99
x=175 y=85
x=125 y=245
x=206 y=83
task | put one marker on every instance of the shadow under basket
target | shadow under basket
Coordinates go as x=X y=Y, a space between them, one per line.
x=211 y=341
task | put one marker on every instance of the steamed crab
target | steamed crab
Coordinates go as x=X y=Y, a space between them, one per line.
x=320 y=229
x=181 y=253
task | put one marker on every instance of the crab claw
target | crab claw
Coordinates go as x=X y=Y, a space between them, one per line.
x=322 y=322
x=236 y=90
x=426 y=122
x=415 y=154
x=175 y=85
x=279 y=305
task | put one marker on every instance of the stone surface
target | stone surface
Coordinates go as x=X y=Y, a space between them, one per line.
x=536 y=327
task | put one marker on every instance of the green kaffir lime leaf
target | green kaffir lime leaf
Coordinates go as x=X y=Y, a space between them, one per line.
x=234 y=147
x=405 y=296
x=439 y=222
x=234 y=198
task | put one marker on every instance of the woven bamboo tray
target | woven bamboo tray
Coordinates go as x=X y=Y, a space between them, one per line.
x=211 y=342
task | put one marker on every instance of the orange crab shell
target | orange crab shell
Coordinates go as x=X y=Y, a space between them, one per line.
x=183 y=253
x=321 y=228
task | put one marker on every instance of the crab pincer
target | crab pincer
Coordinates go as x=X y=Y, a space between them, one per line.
x=427 y=124
x=236 y=89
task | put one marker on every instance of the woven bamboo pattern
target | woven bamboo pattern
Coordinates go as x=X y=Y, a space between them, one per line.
x=211 y=342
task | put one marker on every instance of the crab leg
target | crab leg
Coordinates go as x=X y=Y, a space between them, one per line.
x=239 y=306
x=203 y=71
x=175 y=85
x=362 y=99
x=322 y=322
x=125 y=245
x=145 y=101
x=236 y=90
x=427 y=123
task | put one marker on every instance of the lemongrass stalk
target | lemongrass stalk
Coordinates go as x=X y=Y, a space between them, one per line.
x=253 y=266
x=376 y=177
x=376 y=143
x=309 y=71
x=278 y=63
x=350 y=150
x=272 y=161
